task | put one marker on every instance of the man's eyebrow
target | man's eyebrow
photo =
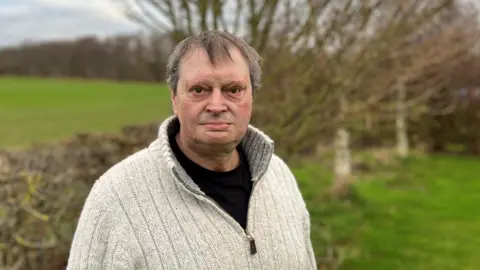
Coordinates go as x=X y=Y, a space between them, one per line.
x=197 y=82
x=207 y=81
x=235 y=82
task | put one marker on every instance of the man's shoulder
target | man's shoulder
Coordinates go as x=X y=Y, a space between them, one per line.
x=284 y=178
x=133 y=166
x=279 y=166
x=105 y=197
x=280 y=170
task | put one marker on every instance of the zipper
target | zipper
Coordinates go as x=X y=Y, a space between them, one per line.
x=253 y=246
x=251 y=240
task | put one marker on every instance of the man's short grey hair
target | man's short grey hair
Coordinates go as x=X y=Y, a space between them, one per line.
x=217 y=44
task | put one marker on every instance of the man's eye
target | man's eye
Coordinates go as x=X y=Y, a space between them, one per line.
x=197 y=90
x=234 y=90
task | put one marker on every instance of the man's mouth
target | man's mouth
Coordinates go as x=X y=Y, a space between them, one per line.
x=216 y=125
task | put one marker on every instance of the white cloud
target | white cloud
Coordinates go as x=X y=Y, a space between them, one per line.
x=15 y=10
x=60 y=19
x=105 y=8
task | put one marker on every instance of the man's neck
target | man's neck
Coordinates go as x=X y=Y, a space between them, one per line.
x=220 y=162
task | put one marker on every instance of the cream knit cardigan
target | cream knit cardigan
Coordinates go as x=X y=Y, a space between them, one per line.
x=146 y=213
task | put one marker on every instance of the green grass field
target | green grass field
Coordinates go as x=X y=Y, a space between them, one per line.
x=39 y=110
x=422 y=214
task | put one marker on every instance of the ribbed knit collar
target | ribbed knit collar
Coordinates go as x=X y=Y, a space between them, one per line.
x=258 y=149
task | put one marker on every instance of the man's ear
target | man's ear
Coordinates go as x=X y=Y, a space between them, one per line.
x=173 y=96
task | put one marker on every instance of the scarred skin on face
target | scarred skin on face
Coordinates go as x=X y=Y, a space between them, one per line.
x=214 y=106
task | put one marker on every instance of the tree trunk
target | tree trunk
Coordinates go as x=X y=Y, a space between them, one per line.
x=368 y=121
x=343 y=166
x=401 y=122
x=343 y=162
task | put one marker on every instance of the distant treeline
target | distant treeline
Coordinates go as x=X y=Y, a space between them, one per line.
x=125 y=57
x=143 y=58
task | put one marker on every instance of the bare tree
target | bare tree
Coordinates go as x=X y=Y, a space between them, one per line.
x=252 y=19
x=326 y=62
x=427 y=58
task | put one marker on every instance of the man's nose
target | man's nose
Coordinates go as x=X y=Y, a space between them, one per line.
x=216 y=102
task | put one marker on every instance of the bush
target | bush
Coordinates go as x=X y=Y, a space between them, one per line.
x=43 y=191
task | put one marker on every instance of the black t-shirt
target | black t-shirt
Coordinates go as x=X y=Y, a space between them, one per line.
x=231 y=190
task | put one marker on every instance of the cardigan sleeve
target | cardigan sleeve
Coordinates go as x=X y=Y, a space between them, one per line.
x=310 y=252
x=96 y=243
x=301 y=204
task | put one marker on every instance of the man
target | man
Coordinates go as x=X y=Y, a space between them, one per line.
x=208 y=193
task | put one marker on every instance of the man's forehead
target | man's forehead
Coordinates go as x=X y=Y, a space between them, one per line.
x=197 y=66
x=223 y=75
x=217 y=57
x=223 y=78
x=194 y=54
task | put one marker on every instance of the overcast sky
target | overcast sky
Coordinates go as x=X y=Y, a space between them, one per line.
x=36 y=20
x=59 y=19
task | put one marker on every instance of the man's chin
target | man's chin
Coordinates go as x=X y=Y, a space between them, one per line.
x=216 y=144
x=217 y=137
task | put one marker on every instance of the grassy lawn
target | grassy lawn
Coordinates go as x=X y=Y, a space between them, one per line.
x=41 y=110
x=422 y=214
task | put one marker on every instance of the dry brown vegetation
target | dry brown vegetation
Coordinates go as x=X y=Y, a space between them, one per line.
x=43 y=191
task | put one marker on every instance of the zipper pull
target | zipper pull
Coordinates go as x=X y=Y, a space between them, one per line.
x=253 y=246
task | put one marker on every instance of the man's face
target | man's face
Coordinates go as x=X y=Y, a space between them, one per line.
x=213 y=104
